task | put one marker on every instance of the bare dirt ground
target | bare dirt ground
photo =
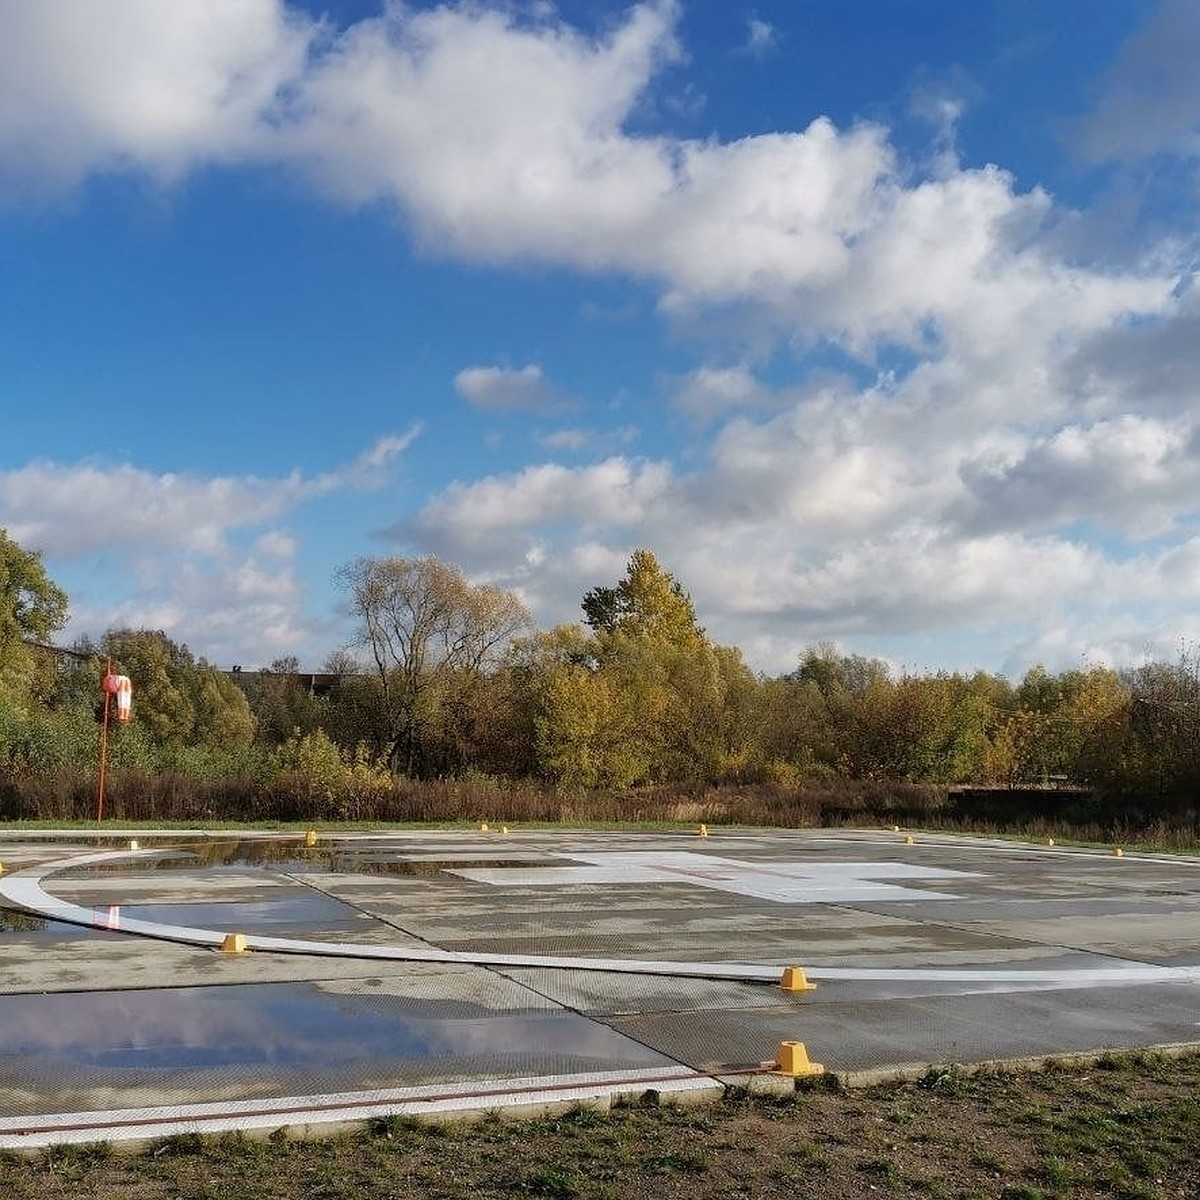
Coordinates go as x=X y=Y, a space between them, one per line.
x=1127 y=1127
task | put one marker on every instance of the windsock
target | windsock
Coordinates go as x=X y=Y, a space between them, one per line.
x=120 y=687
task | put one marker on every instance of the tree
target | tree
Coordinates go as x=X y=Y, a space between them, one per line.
x=32 y=609
x=428 y=631
x=646 y=697
x=280 y=702
x=647 y=602
x=179 y=700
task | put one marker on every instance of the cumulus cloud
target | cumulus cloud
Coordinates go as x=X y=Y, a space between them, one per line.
x=505 y=389
x=138 y=84
x=1133 y=474
x=1037 y=389
x=206 y=558
x=505 y=138
x=497 y=519
x=712 y=391
x=243 y=606
x=890 y=511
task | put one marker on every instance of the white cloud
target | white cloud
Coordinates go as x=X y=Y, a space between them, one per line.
x=230 y=607
x=69 y=510
x=139 y=84
x=711 y=391
x=565 y=439
x=496 y=519
x=1133 y=474
x=204 y=558
x=1040 y=390
x=507 y=389
x=943 y=502
x=606 y=440
x=502 y=138
x=761 y=37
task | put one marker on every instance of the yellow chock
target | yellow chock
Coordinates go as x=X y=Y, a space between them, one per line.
x=793 y=1060
x=133 y=843
x=1 y=868
x=235 y=943
x=703 y=831
x=895 y=828
x=310 y=838
x=910 y=840
x=503 y=828
x=794 y=979
x=1118 y=852
x=1049 y=841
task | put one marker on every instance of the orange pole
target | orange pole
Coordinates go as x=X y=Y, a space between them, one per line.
x=103 y=747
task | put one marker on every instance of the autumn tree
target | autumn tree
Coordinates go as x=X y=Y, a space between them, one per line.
x=431 y=636
x=646 y=696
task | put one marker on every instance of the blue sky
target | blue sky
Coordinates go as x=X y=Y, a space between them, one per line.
x=875 y=321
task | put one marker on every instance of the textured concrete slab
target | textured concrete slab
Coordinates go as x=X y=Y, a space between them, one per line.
x=435 y=959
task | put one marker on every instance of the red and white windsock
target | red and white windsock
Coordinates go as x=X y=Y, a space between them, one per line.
x=120 y=686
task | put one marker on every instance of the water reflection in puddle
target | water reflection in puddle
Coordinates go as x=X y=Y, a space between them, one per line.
x=309 y=910
x=293 y=1037
x=287 y=857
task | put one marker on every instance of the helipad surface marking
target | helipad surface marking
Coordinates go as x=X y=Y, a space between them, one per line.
x=781 y=882
x=25 y=889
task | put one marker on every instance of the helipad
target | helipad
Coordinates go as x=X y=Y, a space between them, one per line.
x=435 y=971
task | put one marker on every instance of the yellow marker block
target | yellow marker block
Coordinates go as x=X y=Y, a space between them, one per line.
x=483 y=827
x=793 y=979
x=310 y=838
x=503 y=828
x=910 y=840
x=235 y=943
x=793 y=1060
x=1118 y=852
x=703 y=831
x=133 y=844
x=895 y=828
x=1049 y=841
x=1 y=868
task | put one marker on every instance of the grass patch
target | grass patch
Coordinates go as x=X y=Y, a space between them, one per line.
x=1047 y=1135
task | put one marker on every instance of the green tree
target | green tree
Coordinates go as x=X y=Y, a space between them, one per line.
x=32 y=609
x=280 y=702
x=179 y=700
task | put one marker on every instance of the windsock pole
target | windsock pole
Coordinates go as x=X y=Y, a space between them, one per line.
x=103 y=746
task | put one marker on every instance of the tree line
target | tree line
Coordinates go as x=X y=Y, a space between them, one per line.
x=448 y=679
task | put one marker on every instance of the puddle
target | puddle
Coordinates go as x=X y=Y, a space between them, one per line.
x=310 y=910
x=284 y=1038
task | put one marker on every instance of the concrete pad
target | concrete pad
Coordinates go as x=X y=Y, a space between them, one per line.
x=436 y=959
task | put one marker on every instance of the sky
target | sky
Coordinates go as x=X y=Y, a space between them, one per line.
x=876 y=322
